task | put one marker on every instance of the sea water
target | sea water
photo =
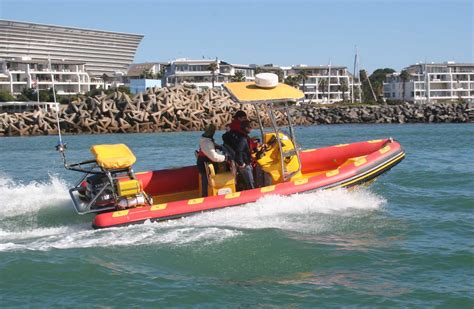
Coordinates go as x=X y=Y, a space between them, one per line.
x=405 y=241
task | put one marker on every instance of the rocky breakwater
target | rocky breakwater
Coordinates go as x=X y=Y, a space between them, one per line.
x=182 y=108
x=403 y=113
x=168 y=109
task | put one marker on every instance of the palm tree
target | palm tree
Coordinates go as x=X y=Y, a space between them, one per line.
x=212 y=67
x=105 y=79
x=323 y=85
x=404 y=77
x=343 y=87
x=146 y=74
x=239 y=76
x=302 y=76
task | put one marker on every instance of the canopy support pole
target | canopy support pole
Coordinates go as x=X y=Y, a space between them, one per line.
x=293 y=137
x=257 y=110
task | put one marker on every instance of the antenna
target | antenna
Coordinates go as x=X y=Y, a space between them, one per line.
x=60 y=146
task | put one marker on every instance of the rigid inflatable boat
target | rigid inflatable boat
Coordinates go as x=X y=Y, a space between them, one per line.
x=119 y=196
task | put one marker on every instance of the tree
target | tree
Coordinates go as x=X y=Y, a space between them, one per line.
x=343 y=87
x=292 y=80
x=239 y=76
x=323 y=85
x=29 y=94
x=124 y=89
x=302 y=76
x=44 y=96
x=146 y=74
x=105 y=78
x=161 y=73
x=212 y=67
x=6 y=96
x=376 y=79
x=404 y=77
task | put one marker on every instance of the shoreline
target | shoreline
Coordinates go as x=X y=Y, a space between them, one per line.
x=181 y=108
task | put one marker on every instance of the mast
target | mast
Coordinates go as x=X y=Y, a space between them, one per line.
x=354 y=75
x=357 y=74
x=329 y=80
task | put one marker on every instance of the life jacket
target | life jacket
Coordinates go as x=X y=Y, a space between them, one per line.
x=200 y=154
x=235 y=125
x=253 y=144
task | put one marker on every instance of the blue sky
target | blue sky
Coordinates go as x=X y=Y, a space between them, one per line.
x=388 y=33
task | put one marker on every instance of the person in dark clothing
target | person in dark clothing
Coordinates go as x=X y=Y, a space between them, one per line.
x=239 y=116
x=234 y=126
x=243 y=158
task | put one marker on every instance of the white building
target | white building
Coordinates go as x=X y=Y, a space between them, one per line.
x=433 y=82
x=325 y=84
x=146 y=70
x=198 y=73
x=69 y=77
x=100 y=51
x=81 y=59
x=247 y=71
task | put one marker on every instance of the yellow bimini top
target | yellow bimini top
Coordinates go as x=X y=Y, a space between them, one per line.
x=248 y=92
x=113 y=157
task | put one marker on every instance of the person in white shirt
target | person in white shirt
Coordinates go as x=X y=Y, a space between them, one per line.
x=209 y=152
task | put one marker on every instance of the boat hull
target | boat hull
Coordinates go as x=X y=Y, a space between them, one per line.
x=340 y=166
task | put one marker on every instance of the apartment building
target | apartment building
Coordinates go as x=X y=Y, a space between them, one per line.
x=432 y=82
x=325 y=84
x=75 y=59
x=149 y=70
x=199 y=74
x=69 y=77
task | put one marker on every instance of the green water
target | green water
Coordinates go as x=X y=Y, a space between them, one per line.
x=406 y=241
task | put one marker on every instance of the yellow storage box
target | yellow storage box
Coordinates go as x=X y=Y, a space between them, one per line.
x=129 y=187
x=112 y=157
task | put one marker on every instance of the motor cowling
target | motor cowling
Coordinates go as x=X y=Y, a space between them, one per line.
x=93 y=188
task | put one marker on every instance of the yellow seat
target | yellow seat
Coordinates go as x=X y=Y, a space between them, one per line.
x=221 y=183
x=112 y=157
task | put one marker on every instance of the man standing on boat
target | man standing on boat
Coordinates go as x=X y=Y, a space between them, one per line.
x=243 y=158
x=239 y=116
x=208 y=153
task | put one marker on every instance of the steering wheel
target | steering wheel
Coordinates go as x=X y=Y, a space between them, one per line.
x=272 y=141
x=266 y=147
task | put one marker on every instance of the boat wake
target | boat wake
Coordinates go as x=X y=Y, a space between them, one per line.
x=21 y=199
x=38 y=216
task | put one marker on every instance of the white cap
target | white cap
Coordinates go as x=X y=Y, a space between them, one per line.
x=266 y=80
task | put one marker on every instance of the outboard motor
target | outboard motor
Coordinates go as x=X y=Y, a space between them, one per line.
x=94 y=186
x=109 y=182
